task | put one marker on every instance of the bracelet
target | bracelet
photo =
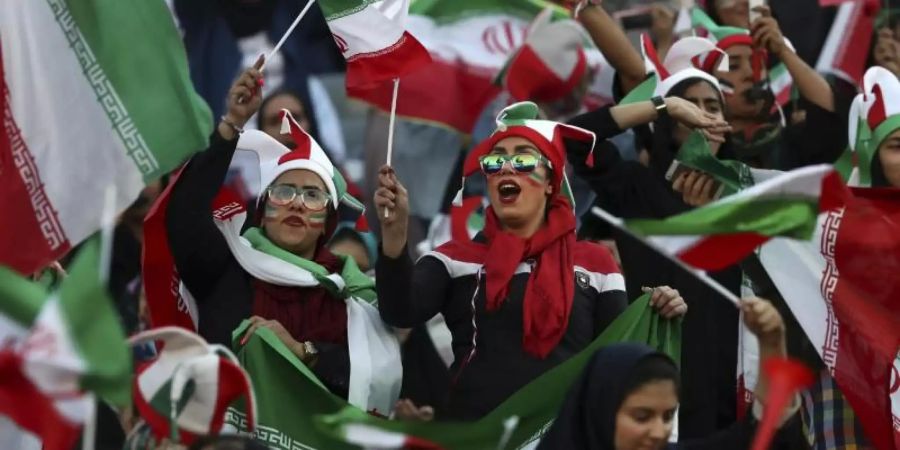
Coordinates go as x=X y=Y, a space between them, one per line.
x=233 y=125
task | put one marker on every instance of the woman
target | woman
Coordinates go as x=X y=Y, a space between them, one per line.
x=627 y=397
x=524 y=295
x=630 y=189
x=278 y=272
x=874 y=130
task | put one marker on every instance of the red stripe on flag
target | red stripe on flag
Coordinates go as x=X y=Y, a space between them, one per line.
x=370 y=69
x=32 y=236
x=21 y=401
x=720 y=251
x=444 y=92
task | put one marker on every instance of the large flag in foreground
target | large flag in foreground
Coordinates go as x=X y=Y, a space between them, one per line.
x=469 y=41
x=94 y=93
x=324 y=421
x=372 y=37
x=842 y=287
x=59 y=350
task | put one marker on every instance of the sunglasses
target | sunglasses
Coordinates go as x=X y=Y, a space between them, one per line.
x=522 y=163
x=284 y=194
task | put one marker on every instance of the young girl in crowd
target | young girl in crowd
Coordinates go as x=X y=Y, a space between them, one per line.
x=627 y=398
x=524 y=295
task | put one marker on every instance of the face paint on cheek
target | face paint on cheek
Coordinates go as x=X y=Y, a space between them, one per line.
x=270 y=211
x=317 y=220
x=536 y=179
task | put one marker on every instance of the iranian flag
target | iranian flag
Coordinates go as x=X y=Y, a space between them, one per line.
x=724 y=232
x=469 y=42
x=842 y=287
x=373 y=39
x=94 y=93
x=846 y=48
x=324 y=421
x=59 y=350
x=781 y=83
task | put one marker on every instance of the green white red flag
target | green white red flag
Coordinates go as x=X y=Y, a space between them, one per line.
x=842 y=287
x=470 y=41
x=323 y=421
x=373 y=38
x=724 y=232
x=94 y=93
x=58 y=350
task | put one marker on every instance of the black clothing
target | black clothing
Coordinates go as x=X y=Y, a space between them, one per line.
x=490 y=364
x=630 y=190
x=222 y=288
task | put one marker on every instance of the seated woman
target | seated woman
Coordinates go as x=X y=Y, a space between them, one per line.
x=627 y=397
x=524 y=295
x=278 y=272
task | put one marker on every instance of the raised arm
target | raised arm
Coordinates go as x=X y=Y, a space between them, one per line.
x=199 y=250
x=609 y=37
x=812 y=86
x=408 y=294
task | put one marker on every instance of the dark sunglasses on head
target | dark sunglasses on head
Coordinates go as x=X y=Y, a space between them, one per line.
x=523 y=163
x=284 y=194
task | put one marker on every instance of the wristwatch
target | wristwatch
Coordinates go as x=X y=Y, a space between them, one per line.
x=310 y=349
x=660 y=104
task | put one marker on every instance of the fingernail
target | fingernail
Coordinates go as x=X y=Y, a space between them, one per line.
x=245 y=338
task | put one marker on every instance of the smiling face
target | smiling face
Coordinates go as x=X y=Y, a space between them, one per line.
x=519 y=199
x=740 y=78
x=294 y=227
x=889 y=157
x=645 y=419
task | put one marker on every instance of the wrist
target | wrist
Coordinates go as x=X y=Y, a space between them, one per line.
x=226 y=131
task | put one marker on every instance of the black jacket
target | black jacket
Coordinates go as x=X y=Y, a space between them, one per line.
x=222 y=288
x=629 y=190
x=490 y=364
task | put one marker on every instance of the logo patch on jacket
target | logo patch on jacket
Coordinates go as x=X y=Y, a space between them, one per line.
x=583 y=280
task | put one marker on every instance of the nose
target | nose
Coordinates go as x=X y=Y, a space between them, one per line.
x=660 y=429
x=507 y=168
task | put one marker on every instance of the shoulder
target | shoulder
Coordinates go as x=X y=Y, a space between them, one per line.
x=457 y=258
x=596 y=268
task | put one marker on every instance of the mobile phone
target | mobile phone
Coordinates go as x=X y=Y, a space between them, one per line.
x=753 y=4
x=676 y=169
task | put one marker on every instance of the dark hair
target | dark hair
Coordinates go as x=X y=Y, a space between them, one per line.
x=310 y=117
x=228 y=442
x=650 y=369
x=663 y=146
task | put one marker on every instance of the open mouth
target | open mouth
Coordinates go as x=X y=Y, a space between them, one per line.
x=509 y=191
x=294 y=221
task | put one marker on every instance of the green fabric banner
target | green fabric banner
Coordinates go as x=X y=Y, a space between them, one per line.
x=295 y=411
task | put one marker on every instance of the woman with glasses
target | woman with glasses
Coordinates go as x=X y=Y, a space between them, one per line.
x=274 y=268
x=524 y=295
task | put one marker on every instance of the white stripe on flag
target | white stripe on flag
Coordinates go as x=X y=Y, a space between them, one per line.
x=64 y=126
x=367 y=31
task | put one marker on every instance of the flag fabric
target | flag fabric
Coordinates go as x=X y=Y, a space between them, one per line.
x=324 y=421
x=470 y=41
x=842 y=287
x=846 y=48
x=723 y=232
x=373 y=39
x=88 y=100
x=60 y=349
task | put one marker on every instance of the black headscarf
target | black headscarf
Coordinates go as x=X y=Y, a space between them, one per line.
x=587 y=420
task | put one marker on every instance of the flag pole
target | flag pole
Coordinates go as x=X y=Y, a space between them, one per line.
x=390 y=142
x=617 y=222
x=287 y=33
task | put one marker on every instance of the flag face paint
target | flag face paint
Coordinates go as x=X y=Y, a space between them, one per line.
x=536 y=178
x=271 y=211
x=317 y=220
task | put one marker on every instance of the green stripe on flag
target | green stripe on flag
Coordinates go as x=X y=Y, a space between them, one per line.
x=789 y=217
x=442 y=11
x=95 y=328
x=316 y=423
x=20 y=299
x=335 y=9
x=134 y=59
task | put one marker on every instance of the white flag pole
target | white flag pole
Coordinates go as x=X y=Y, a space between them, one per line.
x=287 y=33
x=390 y=143
x=617 y=222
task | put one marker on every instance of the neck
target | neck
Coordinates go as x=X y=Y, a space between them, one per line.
x=524 y=230
x=307 y=253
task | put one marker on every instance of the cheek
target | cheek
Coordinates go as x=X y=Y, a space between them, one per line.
x=316 y=220
x=628 y=432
